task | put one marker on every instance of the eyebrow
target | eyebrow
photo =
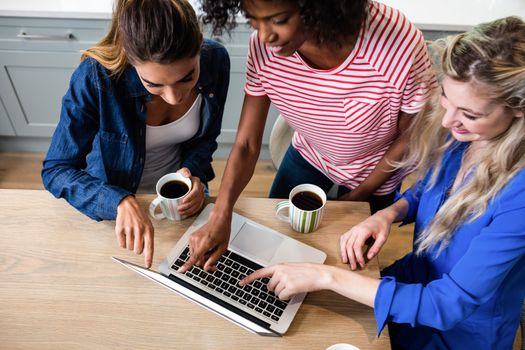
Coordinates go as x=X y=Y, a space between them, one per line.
x=184 y=78
x=463 y=108
x=248 y=16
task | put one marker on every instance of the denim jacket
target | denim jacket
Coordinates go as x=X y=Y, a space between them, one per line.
x=97 y=152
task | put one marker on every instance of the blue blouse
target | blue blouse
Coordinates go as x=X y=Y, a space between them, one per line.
x=470 y=296
x=96 y=156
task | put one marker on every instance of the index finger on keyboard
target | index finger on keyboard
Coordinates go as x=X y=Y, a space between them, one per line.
x=188 y=264
x=197 y=252
x=213 y=258
x=264 y=272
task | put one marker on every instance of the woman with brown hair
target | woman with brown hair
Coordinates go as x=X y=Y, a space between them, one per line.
x=147 y=100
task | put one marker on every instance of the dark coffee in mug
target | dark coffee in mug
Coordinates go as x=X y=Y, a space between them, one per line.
x=174 y=189
x=306 y=200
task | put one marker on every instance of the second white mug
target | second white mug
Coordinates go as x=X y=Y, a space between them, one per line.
x=171 y=189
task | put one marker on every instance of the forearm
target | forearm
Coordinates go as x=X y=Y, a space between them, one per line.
x=395 y=212
x=238 y=172
x=352 y=285
x=99 y=200
x=244 y=155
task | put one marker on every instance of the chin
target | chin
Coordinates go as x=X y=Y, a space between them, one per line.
x=462 y=137
x=284 y=53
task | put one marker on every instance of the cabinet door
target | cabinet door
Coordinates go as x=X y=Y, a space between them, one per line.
x=6 y=129
x=32 y=85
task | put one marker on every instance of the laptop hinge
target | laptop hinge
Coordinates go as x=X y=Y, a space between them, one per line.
x=225 y=305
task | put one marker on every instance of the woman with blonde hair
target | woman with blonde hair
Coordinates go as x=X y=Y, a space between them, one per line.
x=464 y=284
x=147 y=100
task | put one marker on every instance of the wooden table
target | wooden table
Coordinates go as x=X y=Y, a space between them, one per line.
x=60 y=289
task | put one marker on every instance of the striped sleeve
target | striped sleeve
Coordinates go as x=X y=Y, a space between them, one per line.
x=420 y=81
x=253 y=86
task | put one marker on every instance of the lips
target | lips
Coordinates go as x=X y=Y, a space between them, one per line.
x=276 y=48
x=460 y=131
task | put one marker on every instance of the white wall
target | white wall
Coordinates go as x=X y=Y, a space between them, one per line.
x=456 y=14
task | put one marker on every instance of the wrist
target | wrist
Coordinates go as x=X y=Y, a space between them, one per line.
x=220 y=216
x=126 y=200
x=390 y=213
x=329 y=278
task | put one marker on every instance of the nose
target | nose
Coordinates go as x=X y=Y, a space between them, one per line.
x=266 y=34
x=450 y=118
x=172 y=96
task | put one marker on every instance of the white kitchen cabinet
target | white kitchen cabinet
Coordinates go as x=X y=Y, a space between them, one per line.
x=37 y=57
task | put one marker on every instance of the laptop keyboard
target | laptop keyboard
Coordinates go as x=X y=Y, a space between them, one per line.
x=231 y=268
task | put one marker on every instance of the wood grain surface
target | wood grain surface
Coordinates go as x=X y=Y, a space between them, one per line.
x=60 y=289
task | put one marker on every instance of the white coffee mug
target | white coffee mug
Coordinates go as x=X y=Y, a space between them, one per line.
x=342 y=346
x=171 y=189
x=304 y=211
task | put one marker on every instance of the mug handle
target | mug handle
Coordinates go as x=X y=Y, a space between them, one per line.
x=280 y=206
x=153 y=205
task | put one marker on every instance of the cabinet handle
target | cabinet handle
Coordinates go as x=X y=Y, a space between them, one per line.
x=66 y=37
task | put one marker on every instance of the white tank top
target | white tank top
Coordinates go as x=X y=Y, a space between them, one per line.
x=163 y=153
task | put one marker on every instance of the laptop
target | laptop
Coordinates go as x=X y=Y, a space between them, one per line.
x=251 y=247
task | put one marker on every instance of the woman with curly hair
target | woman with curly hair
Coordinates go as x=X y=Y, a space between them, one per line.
x=347 y=76
x=463 y=285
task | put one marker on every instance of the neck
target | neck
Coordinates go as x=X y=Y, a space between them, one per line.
x=327 y=55
x=473 y=154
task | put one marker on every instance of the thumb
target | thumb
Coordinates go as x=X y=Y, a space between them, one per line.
x=184 y=172
x=376 y=247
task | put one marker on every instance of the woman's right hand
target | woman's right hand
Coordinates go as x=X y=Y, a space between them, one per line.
x=353 y=242
x=208 y=243
x=134 y=229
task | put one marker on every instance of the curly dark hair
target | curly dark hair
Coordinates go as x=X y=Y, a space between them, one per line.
x=327 y=20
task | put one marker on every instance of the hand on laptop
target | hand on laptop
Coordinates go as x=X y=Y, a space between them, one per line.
x=287 y=280
x=208 y=243
x=134 y=229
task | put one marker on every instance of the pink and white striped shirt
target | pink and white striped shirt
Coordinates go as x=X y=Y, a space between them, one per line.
x=345 y=118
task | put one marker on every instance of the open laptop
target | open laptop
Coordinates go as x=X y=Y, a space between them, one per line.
x=252 y=246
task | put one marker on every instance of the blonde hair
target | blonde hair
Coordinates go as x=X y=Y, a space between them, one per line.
x=160 y=31
x=492 y=55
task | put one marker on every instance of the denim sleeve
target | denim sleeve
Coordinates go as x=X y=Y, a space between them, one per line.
x=197 y=153
x=474 y=280
x=62 y=172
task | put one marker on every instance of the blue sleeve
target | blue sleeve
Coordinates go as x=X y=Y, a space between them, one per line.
x=197 y=153
x=412 y=196
x=62 y=172
x=476 y=277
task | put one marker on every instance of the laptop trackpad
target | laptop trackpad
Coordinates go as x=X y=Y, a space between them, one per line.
x=257 y=242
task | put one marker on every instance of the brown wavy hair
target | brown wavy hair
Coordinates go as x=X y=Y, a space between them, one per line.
x=160 y=31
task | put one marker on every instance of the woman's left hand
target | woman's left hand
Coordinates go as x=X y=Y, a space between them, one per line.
x=194 y=200
x=287 y=280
